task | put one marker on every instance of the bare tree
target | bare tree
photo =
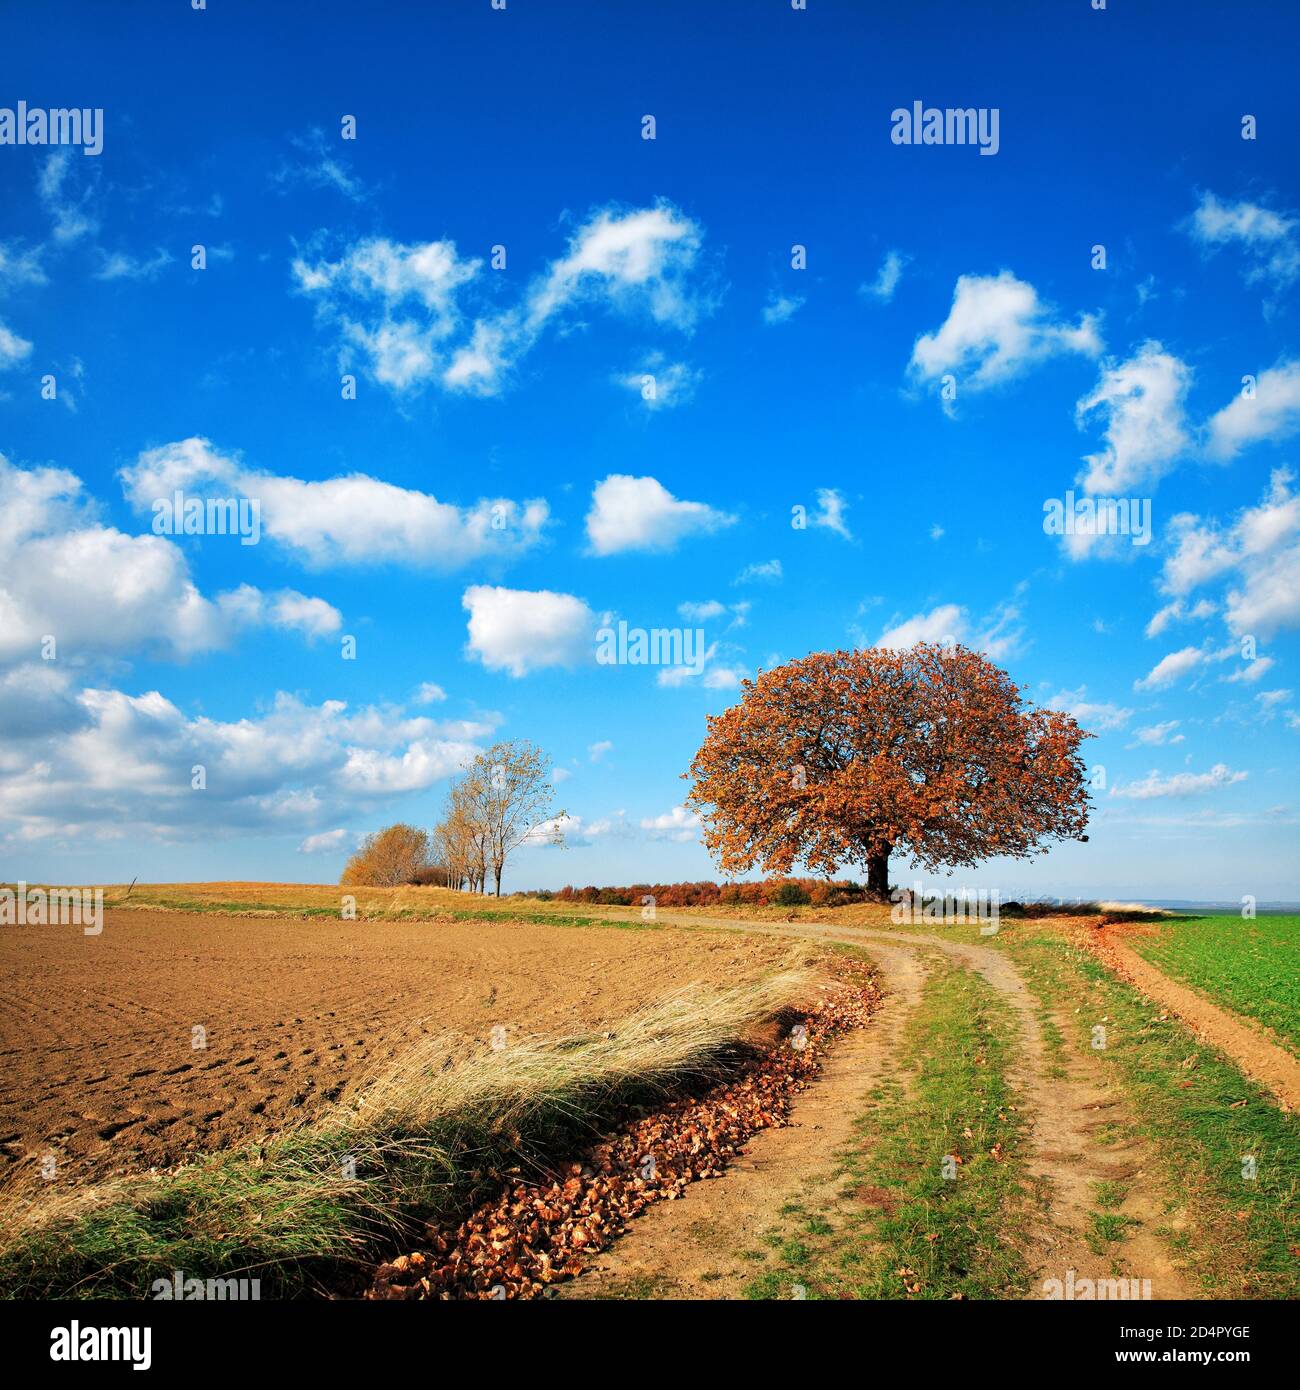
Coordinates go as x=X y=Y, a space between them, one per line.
x=514 y=802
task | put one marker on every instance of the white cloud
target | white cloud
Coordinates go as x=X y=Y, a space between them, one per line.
x=124 y=771
x=831 y=507
x=117 y=265
x=1092 y=714
x=1270 y=240
x=887 y=278
x=13 y=349
x=947 y=623
x=99 y=592
x=678 y=825
x=72 y=216
x=521 y=630
x=701 y=612
x=1142 y=402
x=1178 y=611
x=1157 y=735
x=1259 y=552
x=764 y=572
x=997 y=329
x=400 y=309
x=596 y=751
x=1272 y=413
x=19 y=267
x=641 y=514
x=662 y=384
x=711 y=673
x=429 y=693
x=327 y=842
x=321 y=167
x=353 y=520
x=1252 y=671
x=1171 y=668
x=998 y=637
x=781 y=308
x=1180 y=783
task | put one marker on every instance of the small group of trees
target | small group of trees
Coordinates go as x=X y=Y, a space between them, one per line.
x=390 y=857
x=501 y=801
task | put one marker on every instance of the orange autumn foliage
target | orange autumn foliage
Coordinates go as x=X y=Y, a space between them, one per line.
x=847 y=757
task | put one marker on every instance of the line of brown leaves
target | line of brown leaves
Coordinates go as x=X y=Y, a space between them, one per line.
x=535 y=1235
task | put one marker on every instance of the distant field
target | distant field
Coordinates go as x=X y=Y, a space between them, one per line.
x=1252 y=967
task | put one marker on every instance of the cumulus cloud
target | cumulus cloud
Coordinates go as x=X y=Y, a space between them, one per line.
x=352 y=520
x=125 y=771
x=996 y=330
x=522 y=630
x=947 y=623
x=1272 y=413
x=100 y=592
x=1141 y=402
x=1180 y=784
x=641 y=514
x=997 y=637
x=678 y=825
x=1258 y=553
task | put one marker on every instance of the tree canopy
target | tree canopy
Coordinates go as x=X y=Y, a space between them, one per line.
x=848 y=757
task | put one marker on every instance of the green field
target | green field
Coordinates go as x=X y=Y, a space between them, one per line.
x=1251 y=967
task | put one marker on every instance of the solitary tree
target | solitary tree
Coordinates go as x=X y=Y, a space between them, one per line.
x=389 y=857
x=848 y=757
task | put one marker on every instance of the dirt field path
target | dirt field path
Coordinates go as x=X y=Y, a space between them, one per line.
x=1250 y=1047
x=688 y=1249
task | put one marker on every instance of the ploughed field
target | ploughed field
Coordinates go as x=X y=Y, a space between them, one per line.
x=98 y=1059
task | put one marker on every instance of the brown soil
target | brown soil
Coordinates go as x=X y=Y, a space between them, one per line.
x=96 y=1032
x=1248 y=1045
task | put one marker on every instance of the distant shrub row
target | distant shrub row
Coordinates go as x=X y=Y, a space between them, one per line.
x=774 y=892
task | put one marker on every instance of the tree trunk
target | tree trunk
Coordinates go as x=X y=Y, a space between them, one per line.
x=878 y=875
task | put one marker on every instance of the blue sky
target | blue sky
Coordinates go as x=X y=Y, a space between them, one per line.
x=500 y=483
